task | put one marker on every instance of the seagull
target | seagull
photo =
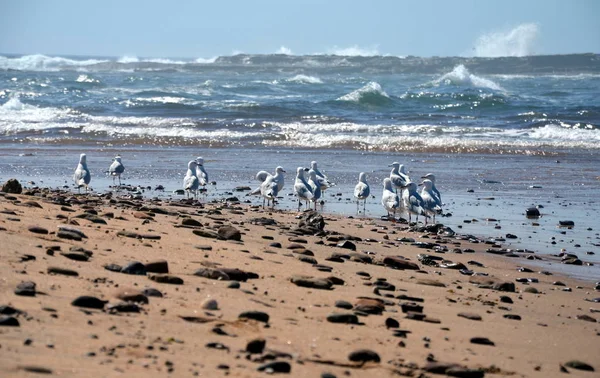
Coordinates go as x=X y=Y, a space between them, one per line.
x=269 y=190
x=389 y=198
x=321 y=178
x=116 y=168
x=413 y=202
x=362 y=191
x=190 y=181
x=301 y=188
x=201 y=172
x=431 y=204
x=313 y=182
x=431 y=177
x=398 y=176
x=82 y=176
x=261 y=176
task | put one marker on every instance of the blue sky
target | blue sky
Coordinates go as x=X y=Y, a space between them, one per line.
x=193 y=29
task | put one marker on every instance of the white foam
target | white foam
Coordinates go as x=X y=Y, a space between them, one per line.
x=44 y=63
x=206 y=60
x=460 y=75
x=370 y=88
x=354 y=50
x=128 y=59
x=305 y=79
x=86 y=79
x=284 y=50
x=518 y=41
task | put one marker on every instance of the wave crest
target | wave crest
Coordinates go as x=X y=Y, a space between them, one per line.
x=40 y=62
x=305 y=79
x=460 y=75
x=518 y=41
x=370 y=94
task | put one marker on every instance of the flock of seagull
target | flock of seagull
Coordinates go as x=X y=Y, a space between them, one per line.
x=427 y=202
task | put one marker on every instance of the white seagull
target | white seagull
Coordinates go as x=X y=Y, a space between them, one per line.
x=431 y=204
x=398 y=176
x=431 y=177
x=190 y=181
x=362 y=191
x=413 y=202
x=389 y=198
x=279 y=176
x=82 y=176
x=116 y=168
x=313 y=182
x=321 y=178
x=269 y=190
x=201 y=172
x=301 y=188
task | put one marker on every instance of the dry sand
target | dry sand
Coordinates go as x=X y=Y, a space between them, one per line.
x=183 y=333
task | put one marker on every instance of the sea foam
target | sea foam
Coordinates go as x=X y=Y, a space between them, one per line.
x=370 y=94
x=460 y=75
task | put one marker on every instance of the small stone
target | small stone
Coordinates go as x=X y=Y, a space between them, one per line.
x=123 y=307
x=132 y=295
x=469 y=315
x=512 y=316
x=38 y=230
x=9 y=321
x=134 y=267
x=399 y=262
x=482 y=341
x=348 y=318
x=532 y=212
x=363 y=356
x=113 y=268
x=311 y=282
x=26 y=289
x=505 y=299
x=62 y=271
x=255 y=315
x=391 y=323
x=210 y=304
x=151 y=292
x=165 y=278
x=229 y=233
x=346 y=244
x=369 y=306
x=12 y=186
x=76 y=256
x=233 y=285
x=531 y=290
x=256 y=346
x=88 y=302
x=343 y=304
x=579 y=365
x=587 y=318
x=276 y=367
x=190 y=222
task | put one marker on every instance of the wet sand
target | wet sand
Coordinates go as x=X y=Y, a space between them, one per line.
x=336 y=300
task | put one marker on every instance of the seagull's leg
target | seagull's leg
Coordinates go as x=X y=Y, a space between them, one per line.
x=364 y=206
x=357 y=206
x=119 y=180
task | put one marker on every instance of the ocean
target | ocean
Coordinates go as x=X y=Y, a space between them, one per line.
x=500 y=134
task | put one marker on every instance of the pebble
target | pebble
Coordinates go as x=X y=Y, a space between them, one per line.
x=210 y=304
x=391 y=323
x=38 y=230
x=62 y=271
x=256 y=346
x=343 y=304
x=151 y=292
x=579 y=365
x=132 y=295
x=275 y=367
x=26 y=289
x=88 y=302
x=9 y=321
x=158 y=266
x=255 y=315
x=512 y=316
x=469 y=315
x=482 y=341
x=311 y=282
x=134 y=267
x=346 y=317
x=165 y=278
x=364 y=355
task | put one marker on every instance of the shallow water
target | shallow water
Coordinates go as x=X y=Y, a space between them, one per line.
x=567 y=186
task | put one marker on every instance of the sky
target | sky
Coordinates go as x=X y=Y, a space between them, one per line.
x=205 y=29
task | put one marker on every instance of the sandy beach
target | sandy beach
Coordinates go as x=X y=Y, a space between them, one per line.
x=105 y=285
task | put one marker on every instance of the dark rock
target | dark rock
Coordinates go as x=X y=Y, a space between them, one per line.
x=206 y=234
x=77 y=256
x=89 y=302
x=482 y=341
x=307 y=259
x=411 y=307
x=369 y=306
x=531 y=290
x=9 y=321
x=504 y=286
x=469 y=315
x=336 y=281
x=312 y=221
x=464 y=372
x=165 y=278
x=158 y=266
x=36 y=369
x=256 y=346
x=68 y=235
x=132 y=296
x=512 y=316
x=151 y=292
x=26 y=289
x=399 y=262
x=70 y=231
x=113 y=267
x=123 y=307
x=311 y=282
x=190 y=222
x=566 y=223
x=276 y=367
x=347 y=245
x=134 y=267
x=38 y=230
x=348 y=318
x=225 y=274
x=430 y=282
x=579 y=365
x=62 y=271
x=233 y=285
x=391 y=323
x=275 y=245
x=229 y=233
x=8 y=310
x=587 y=318
x=505 y=299
x=343 y=304
x=12 y=186
x=572 y=261
x=255 y=315
x=532 y=212
x=364 y=355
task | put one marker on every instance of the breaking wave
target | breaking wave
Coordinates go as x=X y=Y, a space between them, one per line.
x=460 y=75
x=518 y=41
x=305 y=79
x=370 y=94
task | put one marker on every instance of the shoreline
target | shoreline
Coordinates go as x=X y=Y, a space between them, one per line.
x=534 y=335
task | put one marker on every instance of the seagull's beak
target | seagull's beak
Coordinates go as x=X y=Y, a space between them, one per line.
x=283 y=170
x=306 y=169
x=421 y=184
x=390 y=165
